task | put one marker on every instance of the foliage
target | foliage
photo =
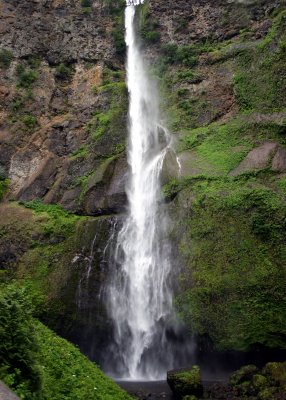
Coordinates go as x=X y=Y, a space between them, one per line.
x=63 y=72
x=4 y=184
x=148 y=26
x=234 y=245
x=152 y=37
x=30 y=121
x=260 y=80
x=81 y=153
x=26 y=77
x=186 y=55
x=60 y=223
x=38 y=364
x=19 y=344
x=106 y=122
x=6 y=57
x=70 y=375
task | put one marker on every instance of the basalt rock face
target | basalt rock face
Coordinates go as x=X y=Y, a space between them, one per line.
x=60 y=81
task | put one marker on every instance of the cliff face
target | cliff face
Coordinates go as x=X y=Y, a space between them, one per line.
x=62 y=140
x=56 y=91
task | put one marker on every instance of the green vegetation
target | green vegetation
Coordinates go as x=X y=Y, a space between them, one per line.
x=81 y=153
x=260 y=82
x=104 y=125
x=148 y=26
x=26 y=77
x=118 y=36
x=59 y=224
x=233 y=243
x=63 y=72
x=233 y=234
x=30 y=121
x=4 y=184
x=38 y=364
x=186 y=383
x=268 y=383
x=19 y=344
x=6 y=58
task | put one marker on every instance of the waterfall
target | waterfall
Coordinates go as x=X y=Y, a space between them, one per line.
x=139 y=297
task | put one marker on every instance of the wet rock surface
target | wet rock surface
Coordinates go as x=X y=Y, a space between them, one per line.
x=148 y=390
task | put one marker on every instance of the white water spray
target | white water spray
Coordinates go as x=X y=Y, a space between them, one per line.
x=139 y=296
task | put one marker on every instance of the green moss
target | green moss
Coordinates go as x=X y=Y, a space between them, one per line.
x=184 y=383
x=59 y=223
x=233 y=243
x=260 y=80
x=81 y=153
x=107 y=122
x=4 y=184
x=6 y=57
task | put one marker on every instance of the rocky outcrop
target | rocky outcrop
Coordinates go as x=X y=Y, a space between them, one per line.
x=256 y=159
x=186 y=382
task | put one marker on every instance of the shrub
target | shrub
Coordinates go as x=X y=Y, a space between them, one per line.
x=18 y=344
x=5 y=58
x=119 y=41
x=187 y=55
x=63 y=72
x=26 y=76
x=152 y=37
x=30 y=121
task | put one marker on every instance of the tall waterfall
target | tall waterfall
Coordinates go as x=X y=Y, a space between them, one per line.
x=139 y=295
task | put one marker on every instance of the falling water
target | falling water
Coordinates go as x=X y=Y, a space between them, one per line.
x=139 y=295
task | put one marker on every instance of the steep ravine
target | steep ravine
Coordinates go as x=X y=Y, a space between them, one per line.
x=63 y=106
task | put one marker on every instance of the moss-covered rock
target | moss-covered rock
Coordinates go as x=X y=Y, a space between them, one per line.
x=185 y=382
x=245 y=374
x=275 y=373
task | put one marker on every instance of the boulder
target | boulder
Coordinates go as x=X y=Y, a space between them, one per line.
x=256 y=159
x=279 y=161
x=275 y=373
x=186 y=382
x=244 y=374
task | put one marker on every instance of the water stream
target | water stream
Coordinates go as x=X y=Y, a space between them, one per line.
x=139 y=294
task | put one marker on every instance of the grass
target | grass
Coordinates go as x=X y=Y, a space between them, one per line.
x=59 y=223
x=40 y=365
x=68 y=375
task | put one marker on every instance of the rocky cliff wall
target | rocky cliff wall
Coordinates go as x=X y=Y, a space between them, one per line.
x=62 y=140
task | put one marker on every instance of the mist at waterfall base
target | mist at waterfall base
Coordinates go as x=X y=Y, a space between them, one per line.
x=146 y=339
